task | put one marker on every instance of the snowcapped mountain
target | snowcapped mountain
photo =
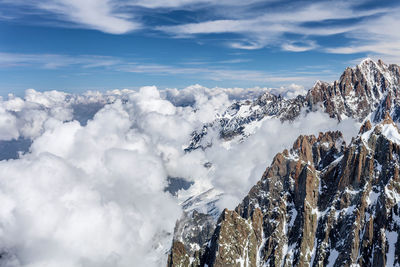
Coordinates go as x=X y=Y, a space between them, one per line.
x=321 y=203
x=319 y=184
x=367 y=90
x=370 y=87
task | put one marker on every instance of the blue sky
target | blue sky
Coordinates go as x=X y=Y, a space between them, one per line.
x=79 y=45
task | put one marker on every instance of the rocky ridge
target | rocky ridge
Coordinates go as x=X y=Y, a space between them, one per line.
x=368 y=90
x=321 y=203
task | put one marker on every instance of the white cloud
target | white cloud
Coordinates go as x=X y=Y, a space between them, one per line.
x=109 y=16
x=93 y=195
x=100 y=15
x=8 y=125
x=375 y=37
x=89 y=196
x=270 y=27
x=299 y=47
x=290 y=91
x=188 y=3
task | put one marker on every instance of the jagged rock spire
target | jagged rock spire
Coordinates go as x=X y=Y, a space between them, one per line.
x=387 y=119
x=365 y=127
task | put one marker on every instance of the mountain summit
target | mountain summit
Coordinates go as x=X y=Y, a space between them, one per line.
x=370 y=87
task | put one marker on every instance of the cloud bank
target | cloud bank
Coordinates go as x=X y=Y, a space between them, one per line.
x=91 y=192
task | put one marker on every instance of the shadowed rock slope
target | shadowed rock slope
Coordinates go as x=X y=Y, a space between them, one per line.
x=321 y=203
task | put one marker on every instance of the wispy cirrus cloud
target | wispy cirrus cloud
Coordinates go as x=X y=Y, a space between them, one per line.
x=220 y=71
x=289 y=25
x=299 y=46
x=54 y=61
x=217 y=30
x=109 y=16
x=216 y=74
x=378 y=37
x=272 y=27
x=102 y=15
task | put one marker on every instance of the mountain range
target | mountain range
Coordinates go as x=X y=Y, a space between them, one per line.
x=368 y=90
x=320 y=203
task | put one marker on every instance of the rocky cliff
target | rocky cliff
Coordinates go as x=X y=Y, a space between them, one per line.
x=321 y=203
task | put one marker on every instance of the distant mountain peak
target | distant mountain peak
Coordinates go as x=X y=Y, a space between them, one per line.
x=368 y=90
x=367 y=61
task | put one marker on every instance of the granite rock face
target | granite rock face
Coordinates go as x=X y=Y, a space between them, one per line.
x=320 y=203
x=368 y=90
